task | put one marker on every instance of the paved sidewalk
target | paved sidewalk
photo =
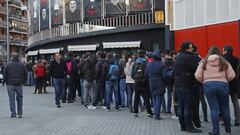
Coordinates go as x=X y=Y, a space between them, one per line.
x=42 y=117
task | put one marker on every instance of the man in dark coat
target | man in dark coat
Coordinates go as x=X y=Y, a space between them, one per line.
x=153 y=72
x=15 y=75
x=185 y=67
x=233 y=86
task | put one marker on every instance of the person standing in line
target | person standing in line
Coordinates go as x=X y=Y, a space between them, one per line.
x=111 y=72
x=233 y=86
x=141 y=84
x=122 y=82
x=154 y=71
x=215 y=73
x=184 y=70
x=15 y=75
x=58 y=72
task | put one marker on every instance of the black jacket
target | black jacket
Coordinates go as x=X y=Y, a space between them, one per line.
x=99 y=70
x=184 y=69
x=58 y=70
x=234 y=63
x=15 y=73
x=87 y=68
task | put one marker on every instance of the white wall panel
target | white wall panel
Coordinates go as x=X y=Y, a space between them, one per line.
x=211 y=11
x=189 y=13
x=223 y=10
x=234 y=9
x=179 y=15
x=199 y=12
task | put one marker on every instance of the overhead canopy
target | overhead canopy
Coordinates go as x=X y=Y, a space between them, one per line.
x=32 y=53
x=82 y=47
x=49 y=51
x=126 y=44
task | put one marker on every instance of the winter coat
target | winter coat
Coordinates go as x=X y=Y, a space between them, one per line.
x=154 y=74
x=184 y=69
x=212 y=72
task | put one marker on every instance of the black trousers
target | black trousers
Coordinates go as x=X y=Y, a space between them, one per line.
x=195 y=106
x=39 y=84
x=142 y=90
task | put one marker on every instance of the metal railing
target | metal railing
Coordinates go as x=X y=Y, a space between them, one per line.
x=3 y=9
x=3 y=24
x=3 y=37
x=94 y=25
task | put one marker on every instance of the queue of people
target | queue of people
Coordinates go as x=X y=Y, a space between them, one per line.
x=141 y=81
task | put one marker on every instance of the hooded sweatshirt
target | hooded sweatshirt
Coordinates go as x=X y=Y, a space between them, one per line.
x=212 y=72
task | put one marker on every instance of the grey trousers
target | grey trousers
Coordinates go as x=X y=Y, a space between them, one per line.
x=89 y=90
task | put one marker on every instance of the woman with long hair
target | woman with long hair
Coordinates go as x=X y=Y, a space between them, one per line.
x=215 y=73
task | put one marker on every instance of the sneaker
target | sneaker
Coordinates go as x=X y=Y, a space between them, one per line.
x=174 y=117
x=135 y=114
x=104 y=107
x=150 y=115
x=228 y=131
x=237 y=123
x=107 y=110
x=214 y=133
x=91 y=107
x=19 y=116
x=13 y=116
x=194 y=130
x=58 y=106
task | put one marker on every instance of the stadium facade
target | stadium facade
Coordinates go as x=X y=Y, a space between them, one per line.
x=92 y=25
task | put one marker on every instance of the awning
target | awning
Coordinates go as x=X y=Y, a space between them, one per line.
x=82 y=47
x=49 y=51
x=32 y=53
x=126 y=44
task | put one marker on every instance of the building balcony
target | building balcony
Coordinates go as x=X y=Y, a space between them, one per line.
x=3 y=24
x=3 y=10
x=18 y=17
x=15 y=3
x=3 y=38
x=17 y=30
x=18 y=42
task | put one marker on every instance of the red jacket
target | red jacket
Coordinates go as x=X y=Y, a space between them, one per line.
x=40 y=71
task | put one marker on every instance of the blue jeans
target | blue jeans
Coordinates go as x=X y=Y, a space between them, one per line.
x=184 y=95
x=130 y=90
x=12 y=90
x=112 y=87
x=59 y=86
x=169 y=95
x=123 y=87
x=217 y=94
x=157 y=105
x=30 y=78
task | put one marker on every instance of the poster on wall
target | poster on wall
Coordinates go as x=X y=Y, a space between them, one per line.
x=44 y=14
x=73 y=11
x=92 y=9
x=115 y=7
x=34 y=13
x=140 y=5
x=56 y=12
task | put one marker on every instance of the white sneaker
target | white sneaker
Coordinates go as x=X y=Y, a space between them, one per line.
x=174 y=117
x=104 y=107
x=91 y=107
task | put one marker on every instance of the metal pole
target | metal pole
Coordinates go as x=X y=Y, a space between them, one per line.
x=8 y=47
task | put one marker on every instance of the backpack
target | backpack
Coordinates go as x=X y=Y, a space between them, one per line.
x=69 y=67
x=167 y=74
x=139 y=76
x=114 y=72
